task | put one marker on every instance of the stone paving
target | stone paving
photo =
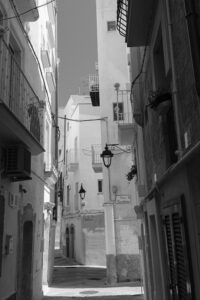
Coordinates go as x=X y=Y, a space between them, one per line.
x=73 y=281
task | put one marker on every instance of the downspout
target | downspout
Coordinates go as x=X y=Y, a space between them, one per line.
x=191 y=17
x=56 y=116
x=174 y=85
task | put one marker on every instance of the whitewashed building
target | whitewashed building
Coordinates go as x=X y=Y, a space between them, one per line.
x=26 y=101
x=82 y=228
x=117 y=131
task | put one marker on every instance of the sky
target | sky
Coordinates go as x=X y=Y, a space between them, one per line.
x=77 y=45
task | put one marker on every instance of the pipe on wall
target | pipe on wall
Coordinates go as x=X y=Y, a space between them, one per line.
x=174 y=85
x=191 y=17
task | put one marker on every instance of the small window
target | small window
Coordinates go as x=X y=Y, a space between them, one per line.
x=118 y=111
x=68 y=195
x=100 y=186
x=111 y=25
x=1 y=18
x=60 y=151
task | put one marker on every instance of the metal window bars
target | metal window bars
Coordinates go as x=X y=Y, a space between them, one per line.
x=17 y=93
x=122 y=16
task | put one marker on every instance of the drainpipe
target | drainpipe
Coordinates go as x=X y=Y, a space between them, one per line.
x=174 y=85
x=56 y=118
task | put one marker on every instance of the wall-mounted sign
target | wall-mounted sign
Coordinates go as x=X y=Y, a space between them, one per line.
x=123 y=198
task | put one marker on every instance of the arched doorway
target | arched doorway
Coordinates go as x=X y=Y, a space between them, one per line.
x=67 y=242
x=72 y=234
x=27 y=246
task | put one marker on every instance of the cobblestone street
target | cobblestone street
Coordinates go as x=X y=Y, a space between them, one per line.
x=72 y=281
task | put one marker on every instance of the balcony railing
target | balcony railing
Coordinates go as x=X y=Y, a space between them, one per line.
x=94 y=89
x=16 y=92
x=122 y=109
x=96 y=159
x=122 y=16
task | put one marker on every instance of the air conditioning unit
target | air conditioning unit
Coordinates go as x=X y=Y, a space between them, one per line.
x=18 y=163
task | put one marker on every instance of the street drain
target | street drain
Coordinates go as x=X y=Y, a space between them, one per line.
x=93 y=278
x=89 y=292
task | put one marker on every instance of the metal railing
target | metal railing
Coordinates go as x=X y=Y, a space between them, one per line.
x=96 y=151
x=122 y=109
x=122 y=16
x=17 y=93
x=93 y=83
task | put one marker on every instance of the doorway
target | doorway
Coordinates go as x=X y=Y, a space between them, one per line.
x=27 y=257
x=67 y=242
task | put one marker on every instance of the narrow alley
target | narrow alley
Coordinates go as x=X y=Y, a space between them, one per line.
x=74 y=281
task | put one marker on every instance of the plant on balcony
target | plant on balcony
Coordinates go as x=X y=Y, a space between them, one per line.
x=160 y=100
x=133 y=171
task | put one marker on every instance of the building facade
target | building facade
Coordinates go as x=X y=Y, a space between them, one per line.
x=25 y=96
x=82 y=226
x=164 y=41
x=122 y=249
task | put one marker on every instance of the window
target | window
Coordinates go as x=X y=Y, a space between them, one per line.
x=100 y=186
x=76 y=197
x=47 y=146
x=118 y=111
x=1 y=18
x=178 y=254
x=68 y=195
x=111 y=25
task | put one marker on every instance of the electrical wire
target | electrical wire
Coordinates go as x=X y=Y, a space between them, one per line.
x=27 y=11
x=86 y=120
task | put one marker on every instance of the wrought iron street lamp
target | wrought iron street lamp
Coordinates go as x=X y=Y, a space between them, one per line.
x=82 y=192
x=106 y=155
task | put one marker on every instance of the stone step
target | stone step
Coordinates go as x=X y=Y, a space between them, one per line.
x=92 y=297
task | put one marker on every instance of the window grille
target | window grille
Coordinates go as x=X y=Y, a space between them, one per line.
x=122 y=16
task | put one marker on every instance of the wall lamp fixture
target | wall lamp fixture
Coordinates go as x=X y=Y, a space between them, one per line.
x=82 y=192
x=107 y=155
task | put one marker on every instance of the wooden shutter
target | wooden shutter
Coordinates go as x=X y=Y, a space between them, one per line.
x=177 y=253
x=2 y=210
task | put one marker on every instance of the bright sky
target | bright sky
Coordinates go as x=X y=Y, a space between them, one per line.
x=77 y=47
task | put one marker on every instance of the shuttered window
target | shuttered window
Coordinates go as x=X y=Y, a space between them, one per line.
x=177 y=254
x=2 y=209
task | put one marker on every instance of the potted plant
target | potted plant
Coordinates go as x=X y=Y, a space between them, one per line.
x=160 y=101
x=131 y=173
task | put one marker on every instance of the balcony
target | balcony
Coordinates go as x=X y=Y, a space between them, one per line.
x=123 y=116
x=96 y=159
x=45 y=58
x=50 y=81
x=50 y=174
x=134 y=20
x=72 y=160
x=28 y=6
x=94 y=89
x=20 y=107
